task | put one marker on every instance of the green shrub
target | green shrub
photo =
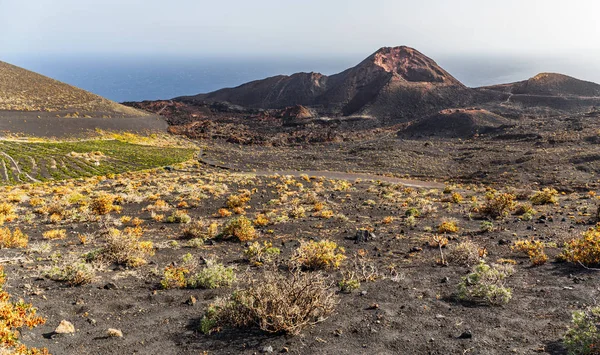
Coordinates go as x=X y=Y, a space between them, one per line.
x=214 y=275
x=487 y=283
x=179 y=217
x=259 y=254
x=583 y=336
x=412 y=212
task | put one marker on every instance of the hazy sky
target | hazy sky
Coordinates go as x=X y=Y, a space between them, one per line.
x=286 y=27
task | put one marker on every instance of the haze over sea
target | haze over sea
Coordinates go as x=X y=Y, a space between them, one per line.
x=138 y=78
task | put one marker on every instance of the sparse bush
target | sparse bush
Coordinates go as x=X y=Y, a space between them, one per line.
x=545 y=197
x=200 y=230
x=73 y=273
x=124 y=248
x=584 y=250
x=259 y=254
x=324 y=254
x=498 y=205
x=412 y=212
x=16 y=239
x=524 y=208
x=487 y=283
x=179 y=216
x=276 y=304
x=240 y=228
x=104 y=204
x=54 y=234
x=349 y=283
x=240 y=200
x=410 y=221
x=174 y=277
x=534 y=250
x=465 y=253
x=262 y=220
x=583 y=336
x=15 y=316
x=486 y=226
x=448 y=226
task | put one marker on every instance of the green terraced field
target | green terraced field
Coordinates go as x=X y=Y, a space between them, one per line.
x=25 y=162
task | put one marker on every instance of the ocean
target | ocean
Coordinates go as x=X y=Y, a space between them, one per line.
x=137 y=78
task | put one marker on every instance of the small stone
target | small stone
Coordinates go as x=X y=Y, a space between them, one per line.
x=445 y=280
x=115 y=333
x=363 y=293
x=191 y=301
x=92 y=321
x=110 y=286
x=267 y=349
x=65 y=327
x=416 y=249
x=440 y=316
x=466 y=335
x=285 y=349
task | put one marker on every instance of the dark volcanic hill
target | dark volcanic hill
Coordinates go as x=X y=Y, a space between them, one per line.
x=550 y=84
x=36 y=105
x=391 y=83
x=456 y=123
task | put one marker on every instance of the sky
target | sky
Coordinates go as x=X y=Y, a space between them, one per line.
x=302 y=27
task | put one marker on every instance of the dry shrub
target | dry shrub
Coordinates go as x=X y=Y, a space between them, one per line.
x=124 y=247
x=240 y=228
x=16 y=239
x=584 y=250
x=259 y=254
x=465 y=253
x=324 y=254
x=448 y=226
x=498 y=205
x=54 y=234
x=240 y=200
x=534 y=250
x=545 y=197
x=15 y=316
x=200 y=229
x=104 y=204
x=276 y=304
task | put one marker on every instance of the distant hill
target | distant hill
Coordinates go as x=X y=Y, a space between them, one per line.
x=394 y=82
x=550 y=84
x=23 y=90
x=456 y=123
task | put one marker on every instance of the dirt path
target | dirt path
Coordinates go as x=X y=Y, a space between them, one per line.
x=337 y=175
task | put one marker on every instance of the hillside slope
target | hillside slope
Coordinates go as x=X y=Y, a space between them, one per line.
x=23 y=90
x=551 y=84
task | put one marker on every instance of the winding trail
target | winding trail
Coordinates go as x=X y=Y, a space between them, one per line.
x=19 y=172
x=336 y=175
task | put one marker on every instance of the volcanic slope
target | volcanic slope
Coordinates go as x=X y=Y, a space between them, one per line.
x=551 y=84
x=394 y=82
x=36 y=105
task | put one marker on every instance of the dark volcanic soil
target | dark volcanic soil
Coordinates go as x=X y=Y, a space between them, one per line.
x=47 y=124
x=410 y=308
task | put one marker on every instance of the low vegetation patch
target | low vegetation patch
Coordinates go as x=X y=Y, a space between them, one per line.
x=324 y=254
x=275 y=304
x=487 y=283
x=583 y=336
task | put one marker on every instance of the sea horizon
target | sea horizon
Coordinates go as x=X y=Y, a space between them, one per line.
x=154 y=77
